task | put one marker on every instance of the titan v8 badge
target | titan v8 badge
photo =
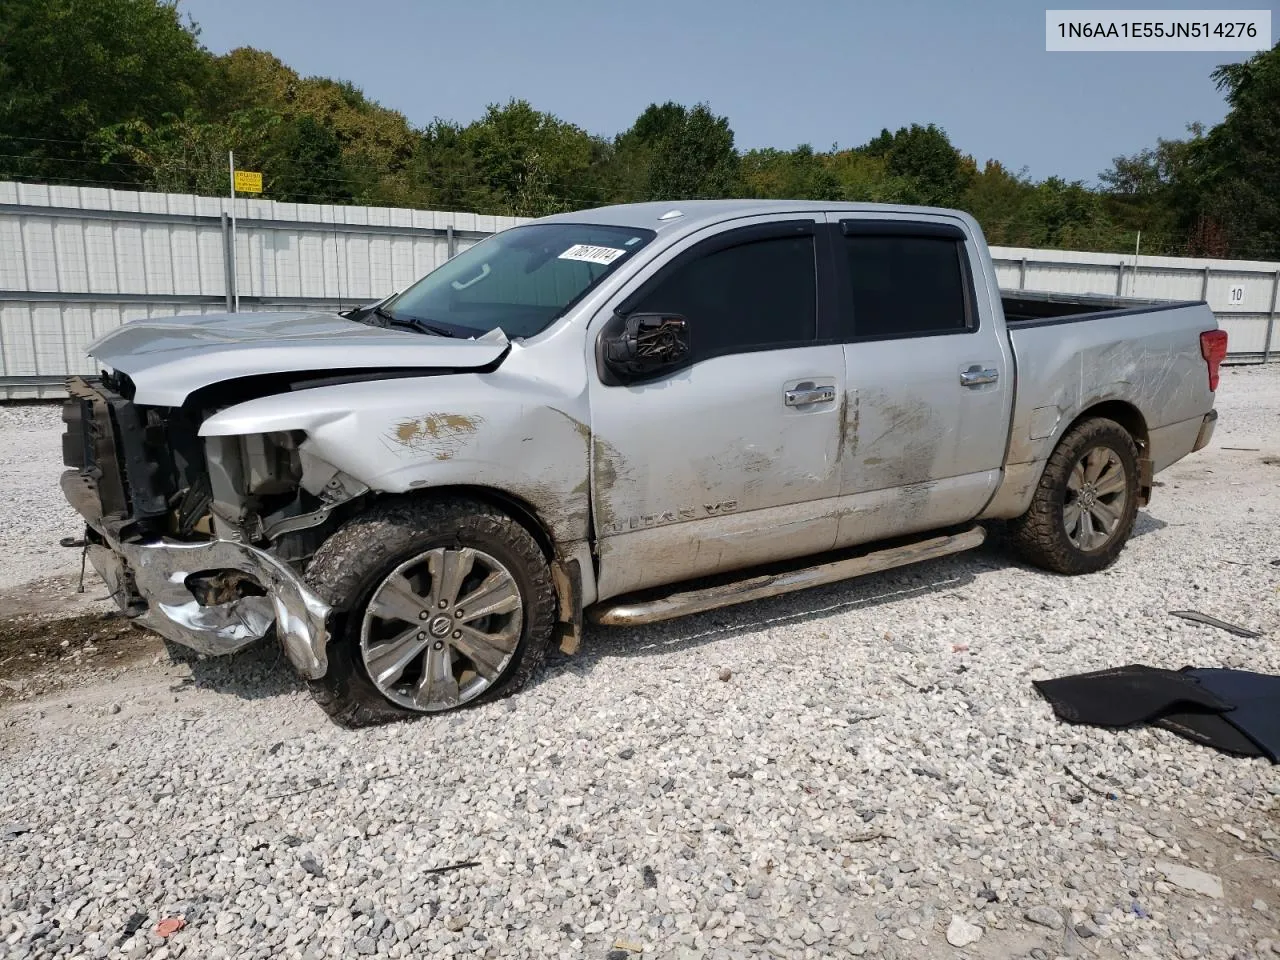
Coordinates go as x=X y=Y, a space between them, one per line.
x=640 y=521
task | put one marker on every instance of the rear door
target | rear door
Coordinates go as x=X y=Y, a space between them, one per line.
x=731 y=460
x=928 y=373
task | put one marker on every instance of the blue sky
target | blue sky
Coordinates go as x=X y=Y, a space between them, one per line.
x=803 y=71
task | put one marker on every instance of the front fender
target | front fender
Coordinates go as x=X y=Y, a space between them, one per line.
x=395 y=436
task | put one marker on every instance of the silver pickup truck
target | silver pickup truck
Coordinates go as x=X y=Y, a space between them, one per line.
x=622 y=414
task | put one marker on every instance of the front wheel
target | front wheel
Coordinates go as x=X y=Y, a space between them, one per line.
x=1084 y=507
x=440 y=604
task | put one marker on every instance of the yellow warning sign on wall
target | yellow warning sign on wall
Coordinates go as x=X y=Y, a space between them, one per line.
x=248 y=182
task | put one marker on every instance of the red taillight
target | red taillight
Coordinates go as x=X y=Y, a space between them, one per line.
x=1213 y=347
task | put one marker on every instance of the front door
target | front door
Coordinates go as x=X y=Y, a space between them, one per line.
x=929 y=376
x=731 y=460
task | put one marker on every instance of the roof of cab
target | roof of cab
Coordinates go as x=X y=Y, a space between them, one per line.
x=695 y=214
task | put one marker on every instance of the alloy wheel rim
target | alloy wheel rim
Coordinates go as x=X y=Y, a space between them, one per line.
x=1097 y=495
x=441 y=628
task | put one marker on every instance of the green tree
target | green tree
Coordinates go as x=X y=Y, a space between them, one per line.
x=1069 y=215
x=998 y=200
x=788 y=174
x=187 y=154
x=1154 y=191
x=300 y=159
x=443 y=168
x=306 y=165
x=1215 y=193
x=1237 y=164
x=678 y=153
x=121 y=92
x=863 y=177
x=377 y=146
x=925 y=159
x=658 y=123
x=71 y=67
x=516 y=161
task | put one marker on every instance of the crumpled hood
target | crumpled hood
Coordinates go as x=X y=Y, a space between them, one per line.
x=170 y=358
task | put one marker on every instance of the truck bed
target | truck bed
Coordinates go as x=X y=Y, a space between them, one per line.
x=1023 y=307
x=1147 y=359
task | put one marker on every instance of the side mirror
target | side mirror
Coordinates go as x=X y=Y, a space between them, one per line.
x=645 y=345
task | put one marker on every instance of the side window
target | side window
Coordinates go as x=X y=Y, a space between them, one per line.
x=758 y=294
x=907 y=286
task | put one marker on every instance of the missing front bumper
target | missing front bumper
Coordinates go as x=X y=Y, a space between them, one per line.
x=158 y=572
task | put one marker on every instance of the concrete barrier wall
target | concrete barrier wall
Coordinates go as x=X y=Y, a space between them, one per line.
x=76 y=262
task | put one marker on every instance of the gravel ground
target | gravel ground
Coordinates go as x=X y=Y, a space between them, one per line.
x=30 y=462
x=875 y=774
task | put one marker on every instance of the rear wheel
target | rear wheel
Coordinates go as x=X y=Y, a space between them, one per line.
x=441 y=604
x=1084 y=507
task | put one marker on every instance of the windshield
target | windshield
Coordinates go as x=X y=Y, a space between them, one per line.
x=520 y=280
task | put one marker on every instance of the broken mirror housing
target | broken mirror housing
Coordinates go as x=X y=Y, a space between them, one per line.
x=647 y=344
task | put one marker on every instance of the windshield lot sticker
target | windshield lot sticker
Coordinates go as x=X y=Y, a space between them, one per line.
x=592 y=254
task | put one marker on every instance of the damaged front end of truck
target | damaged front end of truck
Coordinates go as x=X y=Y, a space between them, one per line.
x=200 y=539
x=205 y=538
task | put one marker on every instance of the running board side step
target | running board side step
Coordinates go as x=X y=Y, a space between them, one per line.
x=629 y=614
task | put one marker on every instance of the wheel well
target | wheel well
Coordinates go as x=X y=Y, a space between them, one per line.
x=567 y=579
x=1125 y=414
x=518 y=509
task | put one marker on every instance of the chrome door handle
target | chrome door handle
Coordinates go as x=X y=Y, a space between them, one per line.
x=803 y=396
x=976 y=377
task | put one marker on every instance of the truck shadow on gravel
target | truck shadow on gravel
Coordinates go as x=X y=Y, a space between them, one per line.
x=1145 y=523
x=263 y=672
x=930 y=578
x=259 y=672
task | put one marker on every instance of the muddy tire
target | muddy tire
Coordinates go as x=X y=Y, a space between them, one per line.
x=1084 y=507
x=439 y=604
